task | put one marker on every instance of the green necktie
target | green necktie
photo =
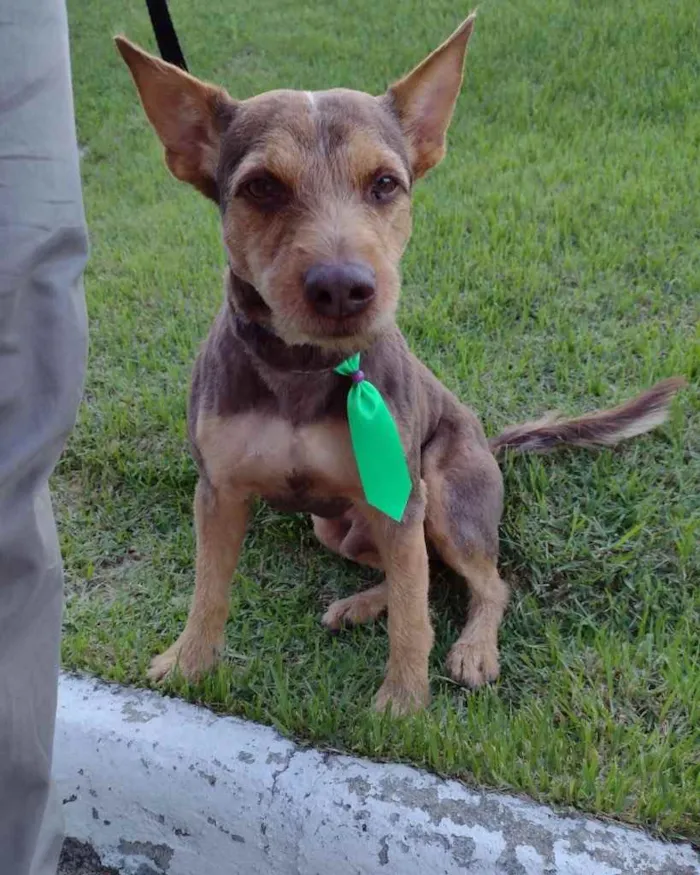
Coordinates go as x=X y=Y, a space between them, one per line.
x=381 y=461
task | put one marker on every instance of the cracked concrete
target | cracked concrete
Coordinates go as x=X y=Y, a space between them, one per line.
x=78 y=858
x=161 y=787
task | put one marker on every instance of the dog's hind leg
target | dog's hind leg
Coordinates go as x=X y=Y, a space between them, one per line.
x=350 y=536
x=363 y=607
x=473 y=659
x=465 y=492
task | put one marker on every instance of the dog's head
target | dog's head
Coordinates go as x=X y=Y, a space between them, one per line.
x=314 y=188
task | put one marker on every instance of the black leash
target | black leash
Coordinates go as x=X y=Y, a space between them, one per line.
x=163 y=28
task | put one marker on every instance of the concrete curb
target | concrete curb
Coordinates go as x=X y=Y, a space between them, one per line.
x=160 y=787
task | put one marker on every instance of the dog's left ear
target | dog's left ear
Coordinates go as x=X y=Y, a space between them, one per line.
x=425 y=99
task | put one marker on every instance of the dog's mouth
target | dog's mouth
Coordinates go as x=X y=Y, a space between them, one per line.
x=346 y=326
x=297 y=323
x=346 y=335
x=349 y=333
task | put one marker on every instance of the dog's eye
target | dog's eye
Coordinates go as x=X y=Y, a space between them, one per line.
x=383 y=188
x=263 y=190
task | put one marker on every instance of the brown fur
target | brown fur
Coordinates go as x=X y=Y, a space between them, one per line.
x=300 y=180
x=604 y=428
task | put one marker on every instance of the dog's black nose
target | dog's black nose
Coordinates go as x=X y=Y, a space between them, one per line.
x=338 y=290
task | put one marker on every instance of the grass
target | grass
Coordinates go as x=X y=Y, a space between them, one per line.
x=555 y=263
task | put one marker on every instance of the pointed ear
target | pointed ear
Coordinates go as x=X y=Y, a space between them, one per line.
x=189 y=116
x=425 y=99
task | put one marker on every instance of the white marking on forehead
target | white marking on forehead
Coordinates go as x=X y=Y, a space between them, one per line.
x=312 y=100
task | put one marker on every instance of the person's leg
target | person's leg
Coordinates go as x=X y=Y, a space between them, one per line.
x=43 y=249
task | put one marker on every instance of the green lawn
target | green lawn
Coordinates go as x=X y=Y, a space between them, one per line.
x=555 y=263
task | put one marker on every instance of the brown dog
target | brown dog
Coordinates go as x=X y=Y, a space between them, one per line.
x=314 y=192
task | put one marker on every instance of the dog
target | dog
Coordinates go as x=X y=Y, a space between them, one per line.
x=314 y=191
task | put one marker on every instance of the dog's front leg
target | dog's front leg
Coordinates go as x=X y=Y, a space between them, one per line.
x=404 y=555
x=221 y=517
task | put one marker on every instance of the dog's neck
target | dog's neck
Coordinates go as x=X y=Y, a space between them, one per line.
x=251 y=317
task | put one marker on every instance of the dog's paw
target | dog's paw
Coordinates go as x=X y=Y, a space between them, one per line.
x=473 y=664
x=400 y=700
x=360 y=608
x=188 y=656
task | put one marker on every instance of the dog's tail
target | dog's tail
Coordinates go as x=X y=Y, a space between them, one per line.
x=603 y=428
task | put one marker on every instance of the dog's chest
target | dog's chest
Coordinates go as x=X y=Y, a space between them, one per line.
x=308 y=468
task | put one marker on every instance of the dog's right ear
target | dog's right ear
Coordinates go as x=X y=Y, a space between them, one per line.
x=189 y=116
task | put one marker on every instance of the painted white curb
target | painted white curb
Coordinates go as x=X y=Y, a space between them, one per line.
x=160 y=787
